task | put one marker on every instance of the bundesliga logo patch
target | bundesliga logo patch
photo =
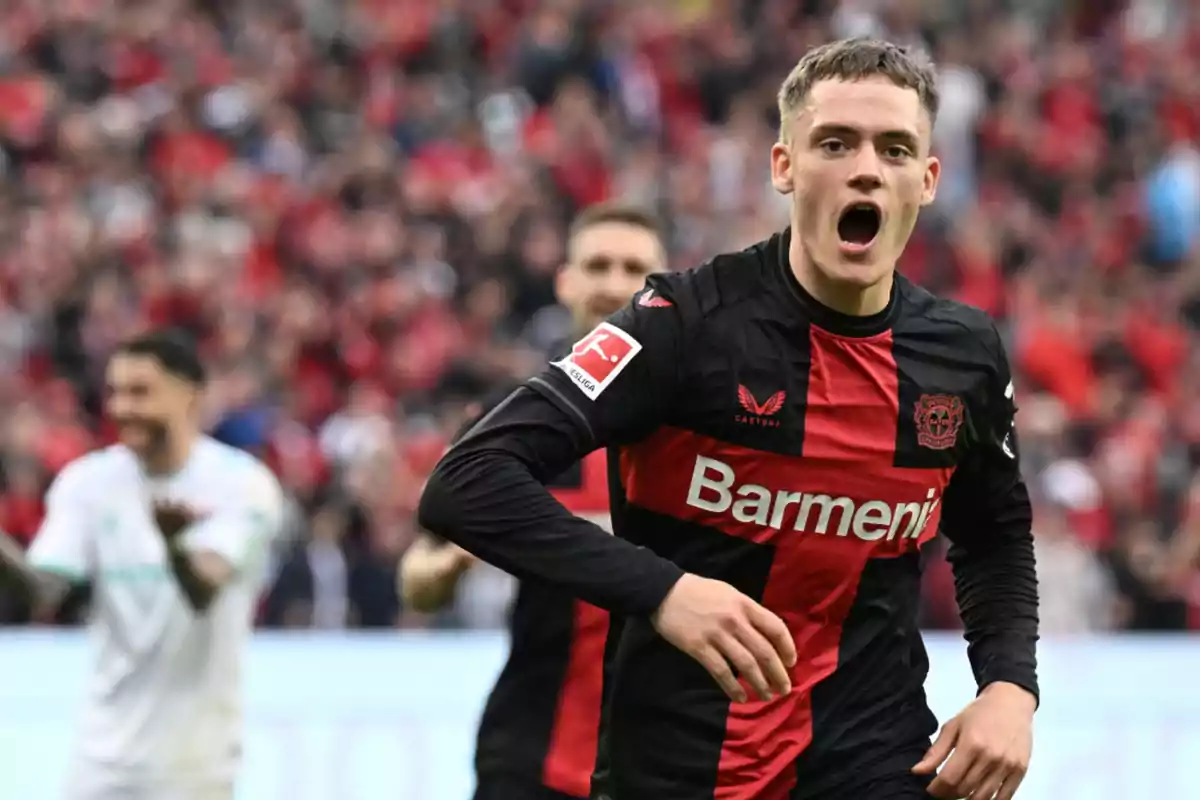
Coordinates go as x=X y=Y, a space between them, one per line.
x=598 y=358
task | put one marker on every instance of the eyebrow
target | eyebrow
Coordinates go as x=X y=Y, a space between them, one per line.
x=900 y=135
x=605 y=260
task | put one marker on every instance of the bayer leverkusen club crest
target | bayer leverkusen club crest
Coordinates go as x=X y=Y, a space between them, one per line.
x=938 y=418
x=598 y=358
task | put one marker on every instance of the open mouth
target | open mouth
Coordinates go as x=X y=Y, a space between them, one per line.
x=859 y=224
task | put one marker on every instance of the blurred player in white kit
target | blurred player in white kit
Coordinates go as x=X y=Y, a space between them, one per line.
x=170 y=529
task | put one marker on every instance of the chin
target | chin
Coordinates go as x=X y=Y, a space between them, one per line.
x=137 y=444
x=136 y=440
x=861 y=273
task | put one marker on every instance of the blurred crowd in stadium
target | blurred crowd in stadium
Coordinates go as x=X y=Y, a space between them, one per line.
x=358 y=206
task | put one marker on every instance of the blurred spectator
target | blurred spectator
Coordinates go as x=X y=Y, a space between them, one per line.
x=312 y=587
x=1150 y=602
x=359 y=208
x=1083 y=597
x=358 y=430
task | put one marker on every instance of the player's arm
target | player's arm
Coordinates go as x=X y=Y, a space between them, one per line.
x=60 y=557
x=429 y=573
x=211 y=551
x=987 y=518
x=488 y=495
x=984 y=751
x=43 y=590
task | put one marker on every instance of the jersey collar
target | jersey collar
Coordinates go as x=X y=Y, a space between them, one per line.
x=822 y=315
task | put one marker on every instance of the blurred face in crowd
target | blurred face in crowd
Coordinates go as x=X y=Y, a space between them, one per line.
x=607 y=264
x=147 y=403
x=855 y=158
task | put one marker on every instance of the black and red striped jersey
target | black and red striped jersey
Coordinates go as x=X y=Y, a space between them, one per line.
x=542 y=719
x=801 y=455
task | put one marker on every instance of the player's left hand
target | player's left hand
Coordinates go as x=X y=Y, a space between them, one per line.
x=172 y=518
x=991 y=740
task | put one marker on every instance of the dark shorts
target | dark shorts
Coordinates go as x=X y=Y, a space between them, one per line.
x=496 y=787
x=897 y=787
x=900 y=786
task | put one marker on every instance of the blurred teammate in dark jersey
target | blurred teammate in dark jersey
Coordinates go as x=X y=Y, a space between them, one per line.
x=538 y=736
x=793 y=422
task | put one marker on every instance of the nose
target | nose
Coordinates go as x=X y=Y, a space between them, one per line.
x=117 y=406
x=867 y=173
x=616 y=288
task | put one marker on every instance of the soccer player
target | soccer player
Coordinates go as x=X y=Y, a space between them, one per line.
x=792 y=423
x=170 y=528
x=538 y=736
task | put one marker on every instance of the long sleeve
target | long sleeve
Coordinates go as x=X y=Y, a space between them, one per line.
x=986 y=516
x=488 y=495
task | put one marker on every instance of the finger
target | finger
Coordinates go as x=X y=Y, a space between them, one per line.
x=461 y=561
x=989 y=784
x=746 y=665
x=953 y=773
x=942 y=790
x=777 y=633
x=1012 y=781
x=976 y=776
x=718 y=667
x=946 y=784
x=939 y=751
x=777 y=679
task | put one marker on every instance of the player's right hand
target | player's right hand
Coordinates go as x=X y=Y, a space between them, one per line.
x=719 y=626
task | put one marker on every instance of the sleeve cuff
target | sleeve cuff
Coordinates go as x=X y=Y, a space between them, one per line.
x=1015 y=676
x=655 y=587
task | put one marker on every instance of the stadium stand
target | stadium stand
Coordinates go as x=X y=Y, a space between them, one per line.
x=359 y=207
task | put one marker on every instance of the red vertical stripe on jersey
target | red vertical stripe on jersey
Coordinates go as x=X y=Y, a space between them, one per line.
x=853 y=399
x=571 y=754
x=850 y=422
x=590 y=498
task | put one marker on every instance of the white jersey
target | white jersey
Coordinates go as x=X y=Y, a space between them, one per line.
x=164 y=705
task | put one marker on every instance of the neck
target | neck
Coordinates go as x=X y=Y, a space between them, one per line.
x=583 y=326
x=842 y=296
x=173 y=454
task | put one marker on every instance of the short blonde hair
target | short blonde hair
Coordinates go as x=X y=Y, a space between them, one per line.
x=853 y=60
